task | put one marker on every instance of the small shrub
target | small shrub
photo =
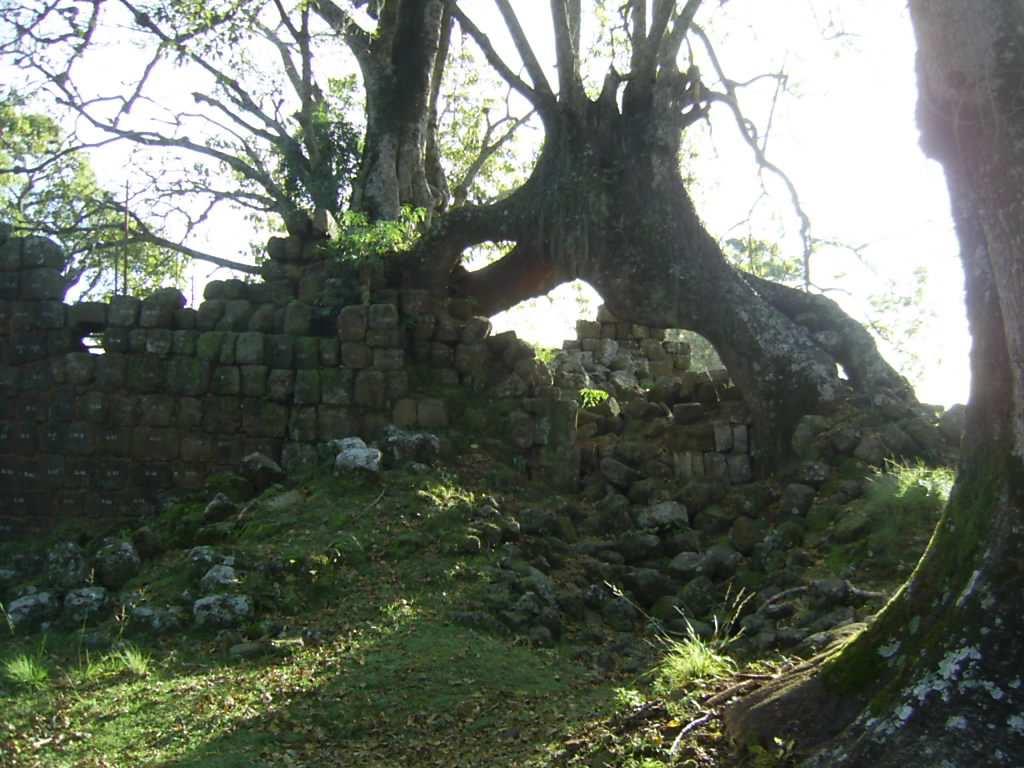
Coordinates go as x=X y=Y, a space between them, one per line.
x=27 y=671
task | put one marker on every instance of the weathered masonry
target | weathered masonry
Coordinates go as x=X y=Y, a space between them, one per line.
x=106 y=406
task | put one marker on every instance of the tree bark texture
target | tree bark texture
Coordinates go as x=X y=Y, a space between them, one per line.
x=399 y=67
x=937 y=679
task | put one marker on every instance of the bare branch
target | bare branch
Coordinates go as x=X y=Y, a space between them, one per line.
x=540 y=82
x=565 y=16
x=356 y=38
x=750 y=135
x=542 y=103
x=671 y=43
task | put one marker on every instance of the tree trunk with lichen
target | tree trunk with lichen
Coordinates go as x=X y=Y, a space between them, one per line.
x=401 y=65
x=937 y=679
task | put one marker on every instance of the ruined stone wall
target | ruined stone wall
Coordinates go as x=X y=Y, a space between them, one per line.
x=107 y=406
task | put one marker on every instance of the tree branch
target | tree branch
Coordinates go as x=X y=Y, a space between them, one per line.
x=542 y=103
x=540 y=82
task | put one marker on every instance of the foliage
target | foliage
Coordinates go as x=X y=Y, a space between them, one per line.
x=763 y=258
x=365 y=242
x=591 y=398
x=48 y=190
x=27 y=671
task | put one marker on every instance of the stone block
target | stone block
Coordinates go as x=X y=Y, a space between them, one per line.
x=157 y=410
x=185 y=319
x=281 y=385
x=475 y=330
x=52 y=315
x=158 y=310
x=159 y=341
x=228 y=347
x=423 y=326
x=124 y=409
x=41 y=252
x=336 y=386
x=237 y=313
x=447 y=329
x=124 y=311
x=10 y=283
x=110 y=371
x=307 y=387
x=723 y=437
x=263 y=319
x=302 y=425
x=330 y=352
x=116 y=340
x=353 y=321
x=382 y=316
x=137 y=340
x=88 y=316
x=333 y=422
x=432 y=413
x=222 y=415
x=307 y=352
x=388 y=359
x=41 y=283
x=251 y=349
x=116 y=441
x=371 y=389
x=740 y=438
x=189 y=412
x=298 y=319
x=715 y=466
x=471 y=359
x=210 y=314
x=397 y=384
x=441 y=355
x=80 y=367
x=226 y=380
x=185 y=343
x=80 y=439
x=587 y=329
x=404 y=413
x=93 y=407
x=384 y=337
x=282 y=351
x=356 y=355
x=188 y=376
x=740 y=469
x=265 y=419
x=208 y=345
x=156 y=444
x=254 y=380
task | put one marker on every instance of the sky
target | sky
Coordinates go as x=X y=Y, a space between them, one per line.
x=845 y=135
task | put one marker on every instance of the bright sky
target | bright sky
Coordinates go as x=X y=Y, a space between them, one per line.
x=846 y=136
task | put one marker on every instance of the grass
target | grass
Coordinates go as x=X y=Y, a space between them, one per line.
x=902 y=504
x=368 y=566
x=27 y=671
x=692 y=661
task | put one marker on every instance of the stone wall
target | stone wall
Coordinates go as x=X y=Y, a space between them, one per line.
x=107 y=406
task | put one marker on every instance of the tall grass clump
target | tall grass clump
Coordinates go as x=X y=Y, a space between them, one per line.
x=692 y=660
x=27 y=671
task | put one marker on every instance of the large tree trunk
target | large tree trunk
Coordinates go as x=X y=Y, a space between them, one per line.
x=607 y=204
x=937 y=679
x=400 y=68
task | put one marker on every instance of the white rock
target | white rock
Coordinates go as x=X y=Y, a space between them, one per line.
x=221 y=610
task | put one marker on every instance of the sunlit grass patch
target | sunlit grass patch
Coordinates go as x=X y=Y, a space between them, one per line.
x=27 y=671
